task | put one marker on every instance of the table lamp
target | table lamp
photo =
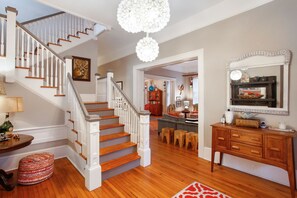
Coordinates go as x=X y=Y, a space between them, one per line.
x=9 y=105
x=186 y=104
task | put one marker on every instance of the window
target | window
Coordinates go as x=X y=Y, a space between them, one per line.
x=195 y=90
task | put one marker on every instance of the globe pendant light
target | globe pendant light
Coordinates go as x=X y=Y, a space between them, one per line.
x=143 y=15
x=128 y=15
x=155 y=15
x=147 y=49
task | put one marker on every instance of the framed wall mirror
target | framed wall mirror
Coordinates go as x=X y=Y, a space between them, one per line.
x=259 y=82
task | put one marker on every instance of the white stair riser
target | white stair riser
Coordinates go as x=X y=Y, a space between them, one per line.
x=117 y=154
x=114 y=141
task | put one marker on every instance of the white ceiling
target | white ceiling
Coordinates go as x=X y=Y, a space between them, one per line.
x=27 y=9
x=186 y=16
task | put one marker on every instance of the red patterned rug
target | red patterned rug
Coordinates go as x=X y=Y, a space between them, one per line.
x=199 y=190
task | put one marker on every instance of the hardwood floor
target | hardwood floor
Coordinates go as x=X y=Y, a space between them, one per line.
x=172 y=169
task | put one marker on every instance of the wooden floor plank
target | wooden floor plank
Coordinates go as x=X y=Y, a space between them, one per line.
x=171 y=170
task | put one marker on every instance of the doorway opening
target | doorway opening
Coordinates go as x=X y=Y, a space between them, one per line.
x=139 y=85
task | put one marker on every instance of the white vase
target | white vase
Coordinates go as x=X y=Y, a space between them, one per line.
x=229 y=115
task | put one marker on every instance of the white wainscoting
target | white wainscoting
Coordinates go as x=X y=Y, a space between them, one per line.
x=268 y=172
x=45 y=134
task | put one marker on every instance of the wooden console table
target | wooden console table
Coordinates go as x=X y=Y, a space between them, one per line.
x=261 y=145
x=11 y=145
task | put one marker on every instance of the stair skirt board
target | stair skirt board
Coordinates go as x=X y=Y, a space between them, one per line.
x=112 y=130
x=120 y=169
x=109 y=121
x=114 y=141
x=117 y=154
x=103 y=113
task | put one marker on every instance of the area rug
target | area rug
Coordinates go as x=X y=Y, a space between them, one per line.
x=199 y=190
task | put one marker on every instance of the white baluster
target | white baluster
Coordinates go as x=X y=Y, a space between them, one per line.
x=42 y=61
x=32 y=57
x=22 y=48
x=28 y=50
x=47 y=73
x=36 y=54
x=52 y=71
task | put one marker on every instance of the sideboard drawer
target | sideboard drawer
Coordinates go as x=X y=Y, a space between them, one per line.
x=275 y=148
x=221 y=138
x=247 y=137
x=254 y=151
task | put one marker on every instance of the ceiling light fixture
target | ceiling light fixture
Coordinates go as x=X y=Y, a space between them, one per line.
x=149 y=16
x=147 y=49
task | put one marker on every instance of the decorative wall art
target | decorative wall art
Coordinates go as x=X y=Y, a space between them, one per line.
x=120 y=84
x=81 y=68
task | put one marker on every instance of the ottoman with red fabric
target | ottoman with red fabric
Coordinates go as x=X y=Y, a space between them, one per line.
x=35 y=168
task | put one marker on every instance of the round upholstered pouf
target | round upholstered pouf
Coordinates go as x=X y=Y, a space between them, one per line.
x=35 y=168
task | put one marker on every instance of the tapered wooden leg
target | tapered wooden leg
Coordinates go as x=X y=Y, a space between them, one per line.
x=291 y=169
x=221 y=158
x=212 y=159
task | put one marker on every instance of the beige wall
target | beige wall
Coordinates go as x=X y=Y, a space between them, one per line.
x=37 y=111
x=269 y=27
x=86 y=50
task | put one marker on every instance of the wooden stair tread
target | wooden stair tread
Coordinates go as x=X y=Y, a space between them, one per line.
x=84 y=157
x=73 y=36
x=58 y=95
x=113 y=136
x=117 y=147
x=49 y=43
x=21 y=67
x=99 y=109
x=89 y=103
x=110 y=126
x=40 y=78
x=105 y=166
x=61 y=39
x=48 y=87
x=108 y=117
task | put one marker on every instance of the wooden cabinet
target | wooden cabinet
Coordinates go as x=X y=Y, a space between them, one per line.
x=155 y=102
x=261 y=145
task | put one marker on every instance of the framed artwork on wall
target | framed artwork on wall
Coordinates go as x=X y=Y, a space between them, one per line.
x=120 y=84
x=81 y=68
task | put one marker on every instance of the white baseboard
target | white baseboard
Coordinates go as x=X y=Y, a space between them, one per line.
x=11 y=162
x=45 y=134
x=268 y=172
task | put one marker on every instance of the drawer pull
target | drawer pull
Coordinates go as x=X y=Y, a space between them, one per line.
x=221 y=138
x=236 y=147
x=274 y=149
x=235 y=135
x=255 y=152
x=255 y=139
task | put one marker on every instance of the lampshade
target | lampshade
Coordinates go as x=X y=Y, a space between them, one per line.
x=11 y=104
x=147 y=49
x=186 y=104
x=2 y=88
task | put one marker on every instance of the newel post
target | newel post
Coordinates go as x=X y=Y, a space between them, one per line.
x=10 y=43
x=97 y=77
x=109 y=88
x=144 y=145
x=68 y=69
x=93 y=175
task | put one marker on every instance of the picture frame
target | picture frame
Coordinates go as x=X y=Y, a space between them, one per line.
x=81 y=69
x=120 y=84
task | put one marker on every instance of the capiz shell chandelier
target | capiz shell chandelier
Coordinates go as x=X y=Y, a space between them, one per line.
x=143 y=15
x=147 y=49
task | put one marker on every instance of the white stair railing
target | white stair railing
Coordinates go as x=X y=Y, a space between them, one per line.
x=58 y=26
x=87 y=127
x=2 y=34
x=136 y=122
x=42 y=62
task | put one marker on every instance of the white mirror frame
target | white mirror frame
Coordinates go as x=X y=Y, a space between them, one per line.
x=262 y=59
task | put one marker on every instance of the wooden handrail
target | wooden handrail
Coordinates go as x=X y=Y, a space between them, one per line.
x=41 y=18
x=37 y=39
x=3 y=16
x=90 y=118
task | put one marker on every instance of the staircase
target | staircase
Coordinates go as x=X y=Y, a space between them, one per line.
x=113 y=133
x=117 y=153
